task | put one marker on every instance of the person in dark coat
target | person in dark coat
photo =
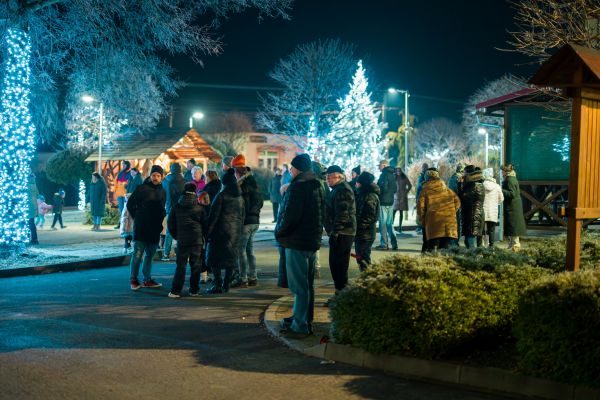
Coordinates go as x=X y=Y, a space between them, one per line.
x=135 y=180
x=97 y=200
x=420 y=182
x=32 y=208
x=401 y=197
x=387 y=187
x=189 y=173
x=299 y=230
x=275 y=193
x=340 y=225
x=367 y=213
x=213 y=185
x=514 y=221
x=355 y=173
x=58 y=201
x=186 y=222
x=472 y=196
x=173 y=185
x=224 y=229
x=147 y=208
x=453 y=183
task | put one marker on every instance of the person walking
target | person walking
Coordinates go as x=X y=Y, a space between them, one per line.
x=403 y=186
x=274 y=192
x=147 y=208
x=514 y=221
x=387 y=189
x=174 y=186
x=367 y=213
x=97 y=200
x=32 y=209
x=491 y=204
x=135 y=180
x=437 y=207
x=253 y=203
x=58 y=202
x=299 y=229
x=186 y=223
x=224 y=229
x=189 y=172
x=120 y=186
x=43 y=209
x=472 y=196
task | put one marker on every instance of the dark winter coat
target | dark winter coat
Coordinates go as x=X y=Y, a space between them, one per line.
x=212 y=188
x=187 y=221
x=57 y=203
x=472 y=196
x=134 y=182
x=340 y=210
x=253 y=199
x=301 y=214
x=174 y=185
x=97 y=198
x=275 y=189
x=225 y=222
x=367 y=212
x=514 y=221
x=147 y=208
x=387 y=186
x=401 y=198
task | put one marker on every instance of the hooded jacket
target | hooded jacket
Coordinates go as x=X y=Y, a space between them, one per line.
x=472 y=196
x=253 y=199
x=174 y=185
x=187 y=221
x=437 y=206
x=387 y=186
x=212 y=188
x=493 y=198
x=367 y=212
x=340 y=210
x=147 y=208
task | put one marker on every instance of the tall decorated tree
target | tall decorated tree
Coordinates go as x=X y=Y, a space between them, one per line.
x=355 y=138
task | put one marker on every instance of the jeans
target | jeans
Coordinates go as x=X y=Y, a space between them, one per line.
x=246 y=252
x=40 y=220
x=386 y=227
x=363 y=253
x=57 y=218
x=282 y=281
x=33 y=230
x=168 y=244
x=339 y=259
x=121 y=204
x=146 y=250
x=97 y=220
x=275 y=211
x=301 y=274
x=193 y=254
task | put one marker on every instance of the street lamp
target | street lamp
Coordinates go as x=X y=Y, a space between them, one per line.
x=196 y=115
x=406 y=96
x=90 y=99
x=483 y=131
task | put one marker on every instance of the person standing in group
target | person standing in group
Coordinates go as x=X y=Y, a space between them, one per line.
x=186 y=223
x=147 y=208
x=43 y=209
x=135 y=180
x=97 y=200
x=420 y=182
x=367 y=212
x=514 y=221
x=274 y=192
x=437 y=207
x=401 y=197
x=226 y=164
x=387 y=189
x=491 y=204
x=58 y=202
x=197 y=178
x=213 y=185
x=355 y=173
x=453 y=183
x=299 y=230
x=32 y=209
x=224 y=229
x=340 y=225
x=472 y=196
x=120 y=186
x=286 y=176
x=320 y=173
x=174 y=186
x=189 y=172
x=253 y=203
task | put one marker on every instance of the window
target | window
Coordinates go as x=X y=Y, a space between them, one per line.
x=267 y=159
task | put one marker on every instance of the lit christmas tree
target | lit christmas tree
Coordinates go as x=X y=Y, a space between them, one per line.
x=355 y=138
x=17 y=142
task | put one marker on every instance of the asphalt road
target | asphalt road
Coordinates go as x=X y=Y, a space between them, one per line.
x=85 y=335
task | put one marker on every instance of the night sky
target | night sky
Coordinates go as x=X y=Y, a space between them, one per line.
x=434 y=48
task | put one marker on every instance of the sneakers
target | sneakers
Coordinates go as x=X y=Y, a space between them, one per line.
x=174 y=295
x=152 y=284
x=252 y=282
x=135 y=284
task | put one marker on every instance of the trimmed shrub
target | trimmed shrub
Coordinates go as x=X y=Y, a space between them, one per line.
x=558 y=328
x=486 y=259
x=551 y=252
x=68 y=167
x=111 y=216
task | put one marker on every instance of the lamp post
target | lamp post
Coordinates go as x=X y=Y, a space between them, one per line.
x=483 y=131
x=196 y=115
x=406 y=96
x=90 y=99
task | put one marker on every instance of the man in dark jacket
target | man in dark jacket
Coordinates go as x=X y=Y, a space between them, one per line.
x=275 y=193
x=355 y=174
x=147 y=208
x=387 y=188
x=135 y=180
x=298 y=230
x=253 y=202
x=367 y=211
x=186 y=224
x=340 y=225
x=174 y=186
x=472 y=195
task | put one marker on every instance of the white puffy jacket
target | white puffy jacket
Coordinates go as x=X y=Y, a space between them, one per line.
x=493 y=198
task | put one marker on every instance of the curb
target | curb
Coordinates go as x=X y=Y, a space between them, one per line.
x=108 y=262
x=484 y=379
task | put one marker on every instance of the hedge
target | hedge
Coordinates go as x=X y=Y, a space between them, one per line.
x=111 y=216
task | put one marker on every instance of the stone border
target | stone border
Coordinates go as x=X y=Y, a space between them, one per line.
x=107 y=262
x=481 y=378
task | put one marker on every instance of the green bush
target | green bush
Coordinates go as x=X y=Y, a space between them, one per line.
x=551 y=252
x=427 y=306
x=69 y=167
x=111 y=216
x=486 y=259
x=558 y=328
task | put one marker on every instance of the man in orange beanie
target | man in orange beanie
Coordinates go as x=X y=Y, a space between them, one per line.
x=238 y=161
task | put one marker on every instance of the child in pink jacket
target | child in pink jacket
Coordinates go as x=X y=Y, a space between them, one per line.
x=43 y=209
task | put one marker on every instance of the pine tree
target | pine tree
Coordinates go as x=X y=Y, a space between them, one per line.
x=355 y=138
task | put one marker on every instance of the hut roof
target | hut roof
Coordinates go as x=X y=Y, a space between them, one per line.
x=571 y=66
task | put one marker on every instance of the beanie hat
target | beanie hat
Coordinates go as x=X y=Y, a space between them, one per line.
x=157 y=168
x=433 y=173
x=318 y=169
x=302 y=162
x=97 y=175
x=229 y=178
x=175 y=168
x=238 y=161
x=190 y=187
x=469 y=169
x=357 y=170
x=365 y=178
x=333 y=169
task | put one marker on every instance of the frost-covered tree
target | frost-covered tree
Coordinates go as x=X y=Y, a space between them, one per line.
x=441 y=137
x=355 y=137
x=313 y=77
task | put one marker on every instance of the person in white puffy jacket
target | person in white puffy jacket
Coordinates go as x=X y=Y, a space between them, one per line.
x=126 y=225
x=493 y=199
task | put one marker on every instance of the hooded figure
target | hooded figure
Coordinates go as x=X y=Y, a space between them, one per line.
x=472 y=196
